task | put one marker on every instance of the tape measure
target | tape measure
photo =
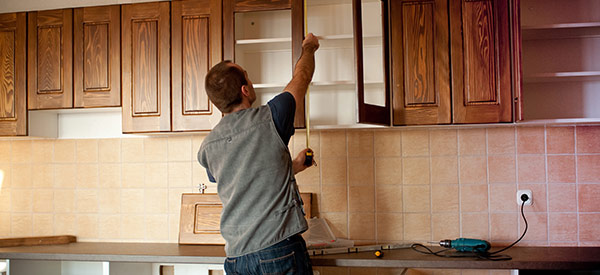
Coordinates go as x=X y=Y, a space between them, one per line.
x=308 y=158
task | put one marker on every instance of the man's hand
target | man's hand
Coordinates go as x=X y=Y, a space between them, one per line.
x=310 y=43
x=298 y=163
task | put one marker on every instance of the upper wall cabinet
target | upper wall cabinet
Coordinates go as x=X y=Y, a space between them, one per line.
x=13 y=105
x=97 y=58
x=145 y=67
x=50 y=59
x=195 y=48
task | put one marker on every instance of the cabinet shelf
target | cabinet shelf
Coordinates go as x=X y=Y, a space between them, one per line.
x=578 y=25
x=562 y=76
x=315 y=83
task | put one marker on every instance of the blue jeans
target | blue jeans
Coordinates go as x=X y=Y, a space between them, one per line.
x=286 y=257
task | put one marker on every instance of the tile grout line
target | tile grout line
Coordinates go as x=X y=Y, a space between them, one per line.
x=487 y=176
x=576 y=156
x=547 y=183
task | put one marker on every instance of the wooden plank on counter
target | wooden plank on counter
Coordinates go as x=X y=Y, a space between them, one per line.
x=30 y=241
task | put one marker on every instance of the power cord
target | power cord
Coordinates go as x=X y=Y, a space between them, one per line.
x=492 y=256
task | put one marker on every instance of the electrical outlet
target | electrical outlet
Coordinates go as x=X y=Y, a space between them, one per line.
x=526 y=192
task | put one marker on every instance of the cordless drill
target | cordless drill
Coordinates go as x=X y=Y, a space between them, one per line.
x=467 y=245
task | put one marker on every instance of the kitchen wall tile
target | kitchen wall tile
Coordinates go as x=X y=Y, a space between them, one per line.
x=415 y=143
x=333 y=144
x=109 y=200
x=180 y=174
x=87 y=150
x=109 y=175
x=444 y=198
x=21 y=151
x=311 y=175
x=133 y=175
x=43 y=200
x=21 y=225
x=87 y=175
x=174 y=199
x=21 y=176
x=299 y=142
x=361 y=199
x=471 y=142
x=587 y=168
x=416 y=198
x=5 y=148
x=502 y=169
x=503 y=226
x=362 y=226
x=132 y=150
x=443 y=142
x=473 y=197
x=133 y=227
x=562 y=197
x=360 y=143
x=109 y=226
x=65 y=176
x=589 y=197
x=501 y=140
x=86 y=200
x=5 y=200
x=338 y=223
x=530 y=140
x=156 y=201
x=156 y=175
x=5 y=224
x=109 y=150
x=333 y=171
x=415 y=170
x=65 y=224
x=64 y=150
x=43 y=224
x=64 y=200
x=472 y=169
x=387 y=170
x=87 y=226
x=389 y=198
x=155 y=149
x=561 y=168
x=388 y=143
x=539 y=194
x=5 y=175
x=173 y=228
x=475 y=225
x=334 y=198
x=21 y=200
x=444 y=169
x=417 y=226
x=531 y=168
x=180 y=148
x=538 y=227
x=390 y=226
x=43 y=177
x=361 y=171
x=588 y=227
x=502 y=197
x=562 y=227
x=157 y=227
x=588 y=139
x=560 y=140
x=445 y=225
x=198 y=138
x=42 y=151
x=132 y=201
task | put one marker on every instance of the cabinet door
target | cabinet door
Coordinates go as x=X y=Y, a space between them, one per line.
x=420 y=75
x=50 y=59
x=480 y=51
x=97 y=57
x=196 y=47
x=145 y=67
x=13 y=96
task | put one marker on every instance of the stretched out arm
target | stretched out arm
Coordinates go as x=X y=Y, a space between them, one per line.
x=305 y=67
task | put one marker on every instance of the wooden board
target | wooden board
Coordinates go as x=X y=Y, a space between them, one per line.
x=30 y=241
x=201 y=216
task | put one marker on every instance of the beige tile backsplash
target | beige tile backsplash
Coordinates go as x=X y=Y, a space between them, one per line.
x=384 y=185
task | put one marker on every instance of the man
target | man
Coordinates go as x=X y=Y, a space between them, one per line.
x=247 y=155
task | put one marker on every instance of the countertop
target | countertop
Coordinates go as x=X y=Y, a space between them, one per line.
x=540 y=258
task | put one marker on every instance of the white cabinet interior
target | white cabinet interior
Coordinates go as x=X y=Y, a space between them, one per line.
x=561 y=59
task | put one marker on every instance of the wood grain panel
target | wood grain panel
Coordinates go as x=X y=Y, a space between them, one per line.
x=13 y=109
x=420 y=74
x=481 y=67
x=261 y=5
x=50 y=59
x=195 y=47
x=97 y=58
x=145 y=67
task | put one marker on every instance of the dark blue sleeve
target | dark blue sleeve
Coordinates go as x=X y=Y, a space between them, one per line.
x=283 y=109
x=210 y=176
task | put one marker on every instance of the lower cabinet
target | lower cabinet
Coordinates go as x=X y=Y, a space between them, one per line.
x=36 y=267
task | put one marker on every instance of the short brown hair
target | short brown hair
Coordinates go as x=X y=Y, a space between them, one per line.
x=223 y=85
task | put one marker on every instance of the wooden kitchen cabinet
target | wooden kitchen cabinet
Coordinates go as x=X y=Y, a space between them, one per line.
x=455 y=74
x=50 y=59
x=97 y=57
x=145 y=37
x=13 y=94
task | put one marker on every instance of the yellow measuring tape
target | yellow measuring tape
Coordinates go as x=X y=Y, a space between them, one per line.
x=307 y=98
